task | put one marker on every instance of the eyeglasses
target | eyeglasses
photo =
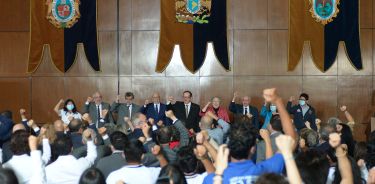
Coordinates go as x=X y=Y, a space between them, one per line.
x=245 y=100
x=186 y=97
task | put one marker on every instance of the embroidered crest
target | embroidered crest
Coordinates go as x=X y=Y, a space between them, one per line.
x=63 y=13
x=310 y=111
x=298 y=110
x=324 y=10
x=192 y=11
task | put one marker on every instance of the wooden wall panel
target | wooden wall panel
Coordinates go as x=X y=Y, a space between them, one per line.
x=78 y=89
x=46 y=67
x=125 y=54
x=278 y=53
x=15 y=15
x=125 y=86
x=14 y=50
x=146 y=15
x=230 y=14
x=46 y=92
x=250 y=14
x=125 y=14
x=366 y=13
x=175 y=86
x=217 y=86
x=144 y=87
x=309 y=67
x=81 y=67
x=15 y=95
x=322 y=91
x=145 y=53
x=108 y=87
x=212 y=66
x=250 y=47
x=346 y=68
x=176 y=67
x=107 y=15
x=278 y=14
x=108 y=53
x=359 y=132
x=355 y=93
x=286 y=86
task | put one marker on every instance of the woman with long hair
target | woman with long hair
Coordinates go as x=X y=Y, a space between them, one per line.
x=69 y=112
x=346 y=138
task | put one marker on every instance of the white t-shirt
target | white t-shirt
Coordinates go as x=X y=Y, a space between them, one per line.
x=65 y=116
x=195 y=178
x=134 y=175
x=331 y=175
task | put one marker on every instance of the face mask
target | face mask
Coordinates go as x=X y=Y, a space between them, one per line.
x=302 y=102
x=70 y=107
x=273 y=108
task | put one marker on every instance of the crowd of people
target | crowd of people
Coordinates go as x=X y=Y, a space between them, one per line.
x=181 y=143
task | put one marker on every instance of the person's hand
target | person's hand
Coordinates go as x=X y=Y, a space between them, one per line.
x=344 y=147
x=33 y=143
x=208 y=103
x=87 y=118
x=210 y=114
x=265 y=134
x=87 y=134
x=104 y=113
x=102 y=131
x=271 y=95
x=31 y=124
x=360 y=163
x=200 y=151
x=292 y=98
x=22 y=111
x=169 y=113
x=142 y=139
x=308 y=125
x=126 y=119
x=147 y=102
x=61 y=101
x=70 y=118
x=334 y=140
x=200 y=138
x=285 y=143
x=152 y=121
x=89 y=99
x=118 y=98
x=160 y=123
x=343 y=108
x=371 y=176
x=318 y=121
x=146 y=129
x=66 y=126
x=302 y=143
x=235 y=95
x=249 y=115
x=120 y=182
x=222 y=159
x=265 y=102
x=205 y=134
x=192 y=131
x=43 y=132
x=170 y=98
x=156 y=150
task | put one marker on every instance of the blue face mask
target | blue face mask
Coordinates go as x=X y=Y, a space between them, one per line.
x=70 y=107
x=302 y=102
x=273 y=108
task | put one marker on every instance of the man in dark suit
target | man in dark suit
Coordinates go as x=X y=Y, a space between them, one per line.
x=76 y=129
x=127 y=109
x=138 y=120
x=186 y=110
x=156 y=111
x=302 y=112
x=95 y=110
x=245 y=109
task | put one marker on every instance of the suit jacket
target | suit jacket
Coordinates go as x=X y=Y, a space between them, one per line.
x=7 y=154
x=101 y=150
x=122 y=110
x=299 y=118
x=192 y=121
x=136 y=134
x=6 y=125
x=111 y=163
x=222 y=113
x=149 y=110
x=238 y=109
x=261 y=148
x=93 y=111
x=77 y=140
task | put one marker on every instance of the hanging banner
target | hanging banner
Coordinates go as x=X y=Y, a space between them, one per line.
x=192 y=24
x=324 y=24
x=63 y=24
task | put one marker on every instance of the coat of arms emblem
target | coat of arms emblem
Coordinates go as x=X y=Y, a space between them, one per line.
x=63 y=13
x=324 y=10
x=193 y=11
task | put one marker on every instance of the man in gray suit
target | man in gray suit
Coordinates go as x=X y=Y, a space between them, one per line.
x=275 y=128
x=124 y=109
x=95 y=110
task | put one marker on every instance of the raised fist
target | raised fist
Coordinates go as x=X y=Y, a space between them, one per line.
x=160 y=123
x=192 y=131
x=147 y=102
x=200 y=138
x=89 y=99
x=270 y=95
x=87 y=134
x=205 y=134
x=318 y=121
x=308 y=125
x=265 y=134
x=142 y=139
x=126 y=119
x=118 y=98
x=209 y=113
x=208 y=103
x=61 y=101
x=102 y=131
x=169 y=113
x=334 y=140
x=200 y=151
x=22 y=111
x=235 y=95
x=170 y=98
x=156 y=150
x=343 y=108
x=152 y=121
x=104 y=113
x=249 y=115
x=292 y=98
x=31 y=123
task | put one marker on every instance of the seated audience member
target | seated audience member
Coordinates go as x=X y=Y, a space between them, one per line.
x=302 y=112
x=242 y=138
x=360 y=157
x=69 y=112
x=67 y=169
x=138 y=120
x=7 y=153
x=133 y=171
x=275 y=130
x=349 y=118
x=102 y=150
x=215 y=133
x=215 y=109
x=156 y=110
x=175 y=137
x=21 y=163
x=324 y=132
x=76 y=129
x=92 y=176
x=268 y=110
x=245 y=109
x=171 y=174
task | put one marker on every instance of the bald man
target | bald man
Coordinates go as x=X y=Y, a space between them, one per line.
x=59 y=127
x=217 y=134
x=245 y=109
x=156 y=111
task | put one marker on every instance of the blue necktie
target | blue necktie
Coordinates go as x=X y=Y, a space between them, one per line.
x=156 y=109
x=245 y=110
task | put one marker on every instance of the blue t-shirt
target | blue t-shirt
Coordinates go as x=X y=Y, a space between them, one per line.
x=247 y=172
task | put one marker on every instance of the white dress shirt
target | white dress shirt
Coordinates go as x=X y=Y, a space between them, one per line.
x=130 y=110
x=67 y=169
x=65 y=116
x=134 y=174
x=195 y=178
x=22 y=165
x=188 y=106
x=39 y=174
x=248 y=110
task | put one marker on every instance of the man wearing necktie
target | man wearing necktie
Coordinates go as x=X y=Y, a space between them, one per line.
x=95 y=110
x=156 y=111
x=127 y=109
x=245 y=109
x=186 y=110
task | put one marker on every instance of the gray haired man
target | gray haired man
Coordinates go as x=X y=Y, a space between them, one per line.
x=95 y=110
